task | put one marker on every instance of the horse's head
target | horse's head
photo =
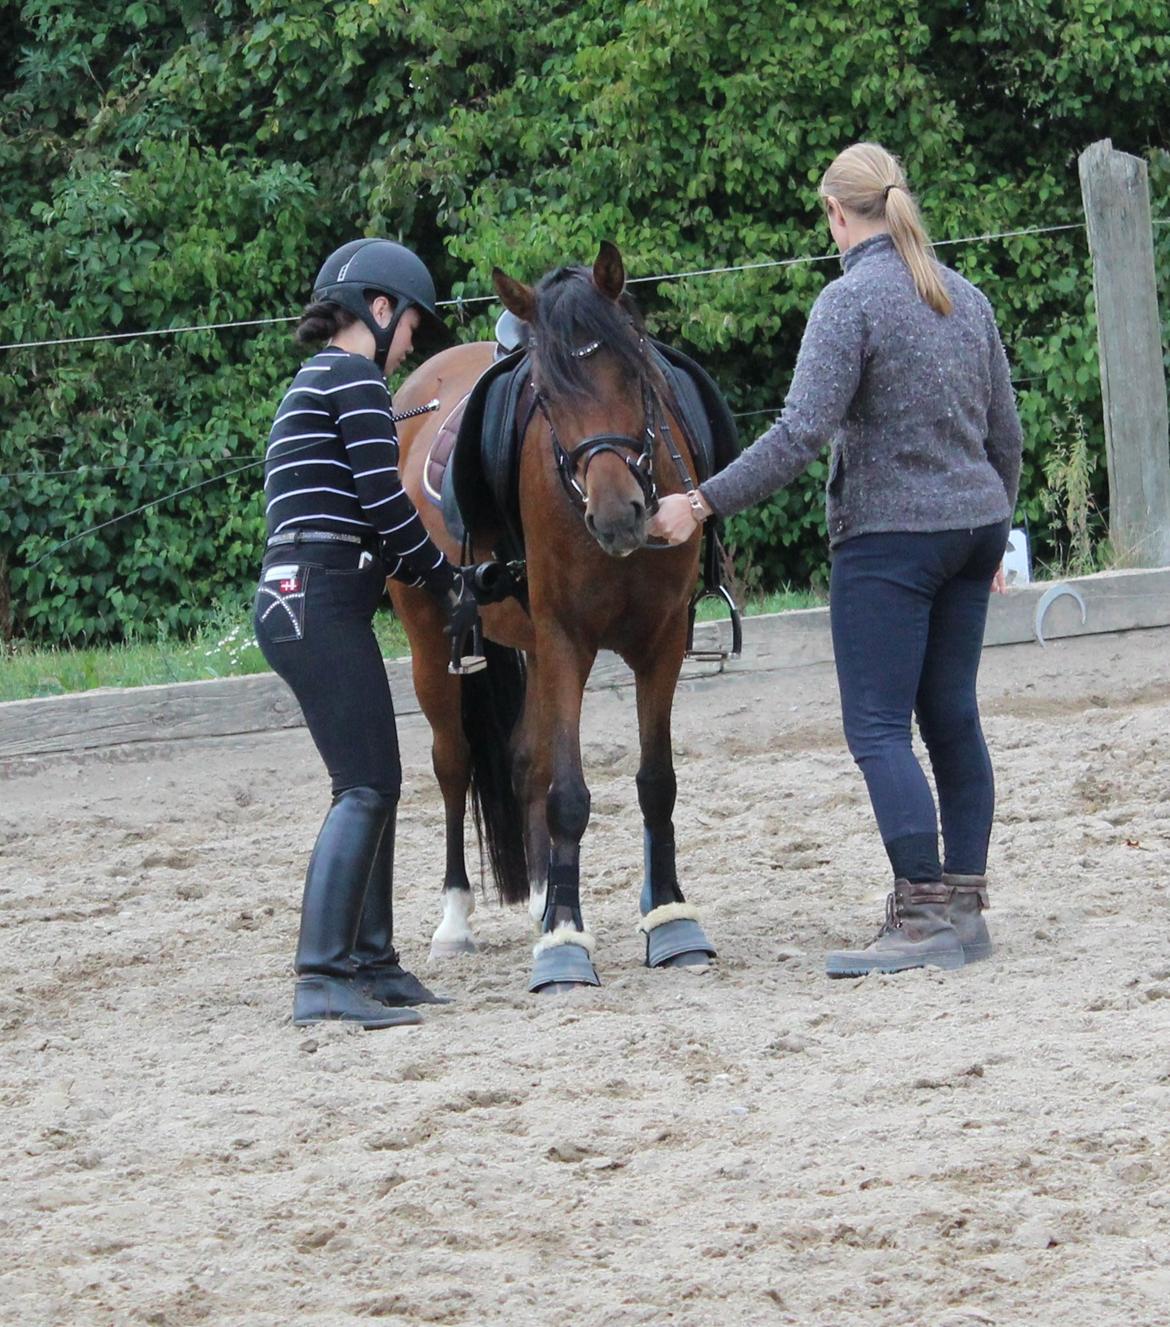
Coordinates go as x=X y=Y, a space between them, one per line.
x=596 y=387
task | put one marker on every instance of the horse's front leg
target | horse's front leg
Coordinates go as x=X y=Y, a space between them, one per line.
x=562 y=954
x=674 y=937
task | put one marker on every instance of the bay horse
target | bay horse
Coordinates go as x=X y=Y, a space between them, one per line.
x=597 y=449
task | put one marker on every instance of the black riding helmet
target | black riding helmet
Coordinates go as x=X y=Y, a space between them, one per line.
x=390 y=269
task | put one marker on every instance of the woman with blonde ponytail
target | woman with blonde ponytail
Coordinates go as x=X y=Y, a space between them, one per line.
x=902 y=369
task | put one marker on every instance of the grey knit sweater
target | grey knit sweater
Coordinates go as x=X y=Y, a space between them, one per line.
x=918 y=406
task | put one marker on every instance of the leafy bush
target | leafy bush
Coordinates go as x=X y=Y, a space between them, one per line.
x=172 y=164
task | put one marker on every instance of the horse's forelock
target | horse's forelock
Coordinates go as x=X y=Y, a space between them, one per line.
x=571 y=313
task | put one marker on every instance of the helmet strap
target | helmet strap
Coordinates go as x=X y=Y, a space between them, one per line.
x=384 y=336
x=354 y=302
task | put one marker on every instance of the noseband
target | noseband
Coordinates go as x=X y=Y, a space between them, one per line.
x=638 y=456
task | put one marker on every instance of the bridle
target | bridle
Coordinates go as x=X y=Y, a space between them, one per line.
x=638 y=455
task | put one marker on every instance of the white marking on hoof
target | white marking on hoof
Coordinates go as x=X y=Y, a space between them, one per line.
x=443 y=949
x=454 y=935
x=564 y=935
x=669 y=912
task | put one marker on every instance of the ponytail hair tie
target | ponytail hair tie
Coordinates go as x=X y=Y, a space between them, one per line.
x=886 y=192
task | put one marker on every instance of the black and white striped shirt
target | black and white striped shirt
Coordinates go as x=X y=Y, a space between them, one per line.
x=332 y=464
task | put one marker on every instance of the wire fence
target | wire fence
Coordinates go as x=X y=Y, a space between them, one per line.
x=177 y=462
x=461 y=301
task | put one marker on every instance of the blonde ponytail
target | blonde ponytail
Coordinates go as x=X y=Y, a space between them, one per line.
x=868 y=181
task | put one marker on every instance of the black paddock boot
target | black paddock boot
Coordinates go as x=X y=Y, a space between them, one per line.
x=916 y=933
x=965 y=913
x=335 y=889
x=376 y=969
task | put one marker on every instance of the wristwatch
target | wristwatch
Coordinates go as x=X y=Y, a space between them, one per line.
x=698 y=506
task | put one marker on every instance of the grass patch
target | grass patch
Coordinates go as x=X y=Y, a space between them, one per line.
x=782 y=601
x=224 y=648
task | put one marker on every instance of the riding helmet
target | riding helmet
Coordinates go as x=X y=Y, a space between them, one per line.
x=390 y=269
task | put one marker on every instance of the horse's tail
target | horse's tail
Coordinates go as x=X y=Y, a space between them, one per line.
x=492 y=701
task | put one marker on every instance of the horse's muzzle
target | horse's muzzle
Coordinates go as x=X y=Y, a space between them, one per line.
x=619 y=530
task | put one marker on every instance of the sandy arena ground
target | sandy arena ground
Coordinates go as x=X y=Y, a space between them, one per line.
x=750 y=1145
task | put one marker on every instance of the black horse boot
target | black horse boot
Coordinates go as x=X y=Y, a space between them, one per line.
x=335 y=889
x=915 y=934
x=965 y=913
x=376 y=969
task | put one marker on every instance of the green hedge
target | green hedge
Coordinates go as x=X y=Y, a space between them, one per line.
x=179 y=163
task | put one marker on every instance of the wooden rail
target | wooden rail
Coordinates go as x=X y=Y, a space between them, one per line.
x=1114 y=601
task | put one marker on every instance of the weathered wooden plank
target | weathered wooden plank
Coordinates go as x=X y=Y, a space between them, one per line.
x=113 y=716
x=1115 y=189
x=1114 y=601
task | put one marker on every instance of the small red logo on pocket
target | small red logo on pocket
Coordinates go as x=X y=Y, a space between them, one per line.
x=290 y=585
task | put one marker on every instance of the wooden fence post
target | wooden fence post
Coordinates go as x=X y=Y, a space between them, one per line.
x=1115 y=189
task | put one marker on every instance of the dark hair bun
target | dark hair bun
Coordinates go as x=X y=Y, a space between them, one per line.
x=320 y=321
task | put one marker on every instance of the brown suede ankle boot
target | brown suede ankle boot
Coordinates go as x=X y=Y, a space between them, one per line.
x=965 y=913
x=915 y=934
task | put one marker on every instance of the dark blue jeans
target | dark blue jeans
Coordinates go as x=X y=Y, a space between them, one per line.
x=314 y=623
x=908 y=613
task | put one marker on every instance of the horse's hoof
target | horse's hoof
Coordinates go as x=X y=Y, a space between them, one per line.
x=679 y=943
x=561 y=988
x=698 y=959
x=441 y=949
x=563 y=967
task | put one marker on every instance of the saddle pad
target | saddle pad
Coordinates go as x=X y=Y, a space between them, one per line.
x=440 y=454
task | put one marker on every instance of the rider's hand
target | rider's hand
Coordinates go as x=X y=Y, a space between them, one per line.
x=999 y=582
x=675 y=520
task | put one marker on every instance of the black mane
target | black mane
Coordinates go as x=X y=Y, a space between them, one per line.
x=571 y=313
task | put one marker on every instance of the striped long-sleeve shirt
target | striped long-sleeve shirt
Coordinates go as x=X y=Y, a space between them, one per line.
x=332 y=464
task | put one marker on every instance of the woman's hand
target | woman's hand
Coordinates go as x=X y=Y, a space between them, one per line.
x=675 y=520
x=999 y=582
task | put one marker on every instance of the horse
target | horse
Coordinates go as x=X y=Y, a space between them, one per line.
x=596 y=450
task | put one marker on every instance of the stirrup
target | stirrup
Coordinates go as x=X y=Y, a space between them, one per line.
x=467 y=653
x=715 y=656
x=713 y=588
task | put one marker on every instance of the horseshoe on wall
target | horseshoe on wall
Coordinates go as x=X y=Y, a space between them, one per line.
x=1047 y=599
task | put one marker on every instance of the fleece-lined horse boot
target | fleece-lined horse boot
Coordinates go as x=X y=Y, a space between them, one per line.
x=965 y=913
x=916 y=933
x=335 y=890
x=376 y=968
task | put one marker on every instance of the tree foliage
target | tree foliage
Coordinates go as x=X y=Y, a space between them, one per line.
x=169 y=164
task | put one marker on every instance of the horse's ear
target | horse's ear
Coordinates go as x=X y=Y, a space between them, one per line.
x=609 y=272
x=517 y=298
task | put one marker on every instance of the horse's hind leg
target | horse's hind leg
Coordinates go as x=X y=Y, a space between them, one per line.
x=439 y=695
x=531 y=792
x=674 y=937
